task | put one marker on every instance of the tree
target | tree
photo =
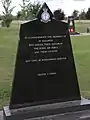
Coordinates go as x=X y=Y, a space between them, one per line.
x=33 y=9
x=29 y=10
x=0 y=17
x=75 y=14
x=7 y=16
x=19 y=15
x=82 y=15
x=24 y=8
x=59 y=14
x=88 y=14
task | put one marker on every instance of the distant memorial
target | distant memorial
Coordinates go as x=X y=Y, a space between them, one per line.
x=71 y=25
x=45 y=75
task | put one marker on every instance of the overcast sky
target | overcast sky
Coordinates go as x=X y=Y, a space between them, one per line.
x=67 y=5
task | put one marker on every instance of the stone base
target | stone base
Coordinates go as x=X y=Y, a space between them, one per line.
x=72 y=110
x=74 y=33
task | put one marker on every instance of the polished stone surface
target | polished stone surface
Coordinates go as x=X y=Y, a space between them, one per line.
x=72 y=110
x=44 y=71
x=81 y=115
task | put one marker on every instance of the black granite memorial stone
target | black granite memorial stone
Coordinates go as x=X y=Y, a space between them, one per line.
x=45 y=70
x=45 y=83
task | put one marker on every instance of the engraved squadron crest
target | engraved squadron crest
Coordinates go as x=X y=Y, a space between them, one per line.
x=45 y=16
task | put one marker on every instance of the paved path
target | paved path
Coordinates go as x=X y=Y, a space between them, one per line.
x=82 y=34
x=85 y=33
x=1 y=115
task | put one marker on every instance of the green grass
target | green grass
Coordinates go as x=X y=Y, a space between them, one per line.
x=8 y=47
x=81 y=49
x=82 y=26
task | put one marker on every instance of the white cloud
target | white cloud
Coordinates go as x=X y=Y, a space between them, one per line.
x=69 y=5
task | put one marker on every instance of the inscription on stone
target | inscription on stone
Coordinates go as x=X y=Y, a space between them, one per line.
x=45 y=45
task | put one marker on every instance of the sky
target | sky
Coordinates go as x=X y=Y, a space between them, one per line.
x=66 y=5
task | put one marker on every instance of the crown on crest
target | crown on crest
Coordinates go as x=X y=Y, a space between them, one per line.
x=45 y=9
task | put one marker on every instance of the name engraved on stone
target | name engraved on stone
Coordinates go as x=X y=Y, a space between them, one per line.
x=46 y=60
x=46 y=74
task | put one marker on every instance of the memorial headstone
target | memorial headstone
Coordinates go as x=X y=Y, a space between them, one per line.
x=45 y=70
x=45 y=73
x=71 y=25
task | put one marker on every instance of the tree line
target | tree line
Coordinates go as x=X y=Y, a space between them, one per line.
x=81 y=15
x=29 y=11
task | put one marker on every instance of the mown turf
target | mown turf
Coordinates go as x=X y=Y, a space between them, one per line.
x=8 y=47
x=82 y=26
x=81 y=48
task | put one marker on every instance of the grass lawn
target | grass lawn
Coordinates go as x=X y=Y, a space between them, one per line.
x=8 y=47
x=82 y=26
x=8 y=44
x=81 y=49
